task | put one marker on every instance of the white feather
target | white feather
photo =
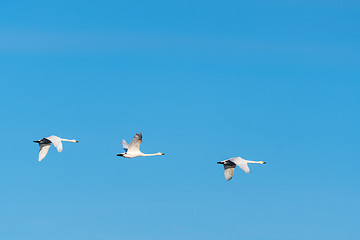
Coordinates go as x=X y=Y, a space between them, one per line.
x=56 y=141
x=229 y=171
x=44 y=148
x=242 y=163
x=125 y=145
x=134 y=146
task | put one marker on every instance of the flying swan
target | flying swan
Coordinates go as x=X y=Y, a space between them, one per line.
x=133 y=149
x=45 y=144
x=230 y=164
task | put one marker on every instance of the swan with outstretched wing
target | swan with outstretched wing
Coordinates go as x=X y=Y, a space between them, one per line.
x=133 y=149
x=45 y=144
x=231 y=163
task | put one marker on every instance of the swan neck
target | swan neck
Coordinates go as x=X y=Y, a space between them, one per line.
x=150 y=154
x=68 y=140
x=259 y=162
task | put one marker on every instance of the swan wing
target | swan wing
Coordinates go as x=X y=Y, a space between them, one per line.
x=125 y=145
x=44 y=148
x=229 y=170
x=242 y=163
x=56 y=141
x=134 y=146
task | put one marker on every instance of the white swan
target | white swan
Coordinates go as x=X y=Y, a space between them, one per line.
x=230 y=164
x=133 y=149
x=45 y=144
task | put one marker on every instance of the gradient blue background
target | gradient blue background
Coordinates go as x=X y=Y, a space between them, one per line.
x=203 y=81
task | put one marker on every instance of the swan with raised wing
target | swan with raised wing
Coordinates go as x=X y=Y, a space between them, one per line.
x=133 y=149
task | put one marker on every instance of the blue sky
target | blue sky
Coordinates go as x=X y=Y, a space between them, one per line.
x=203 y=81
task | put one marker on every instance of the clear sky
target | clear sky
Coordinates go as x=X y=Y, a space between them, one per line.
x=203 y=81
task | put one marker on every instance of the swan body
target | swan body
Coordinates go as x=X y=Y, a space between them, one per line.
x=133 y=149
x=230 y=164
x=45 y=144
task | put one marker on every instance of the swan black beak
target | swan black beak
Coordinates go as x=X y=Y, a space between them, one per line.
x=36 y=141
x=220 y=163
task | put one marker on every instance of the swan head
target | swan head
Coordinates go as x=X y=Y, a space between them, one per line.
x=262 y=162
x=75 y=141
x=161 y=153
